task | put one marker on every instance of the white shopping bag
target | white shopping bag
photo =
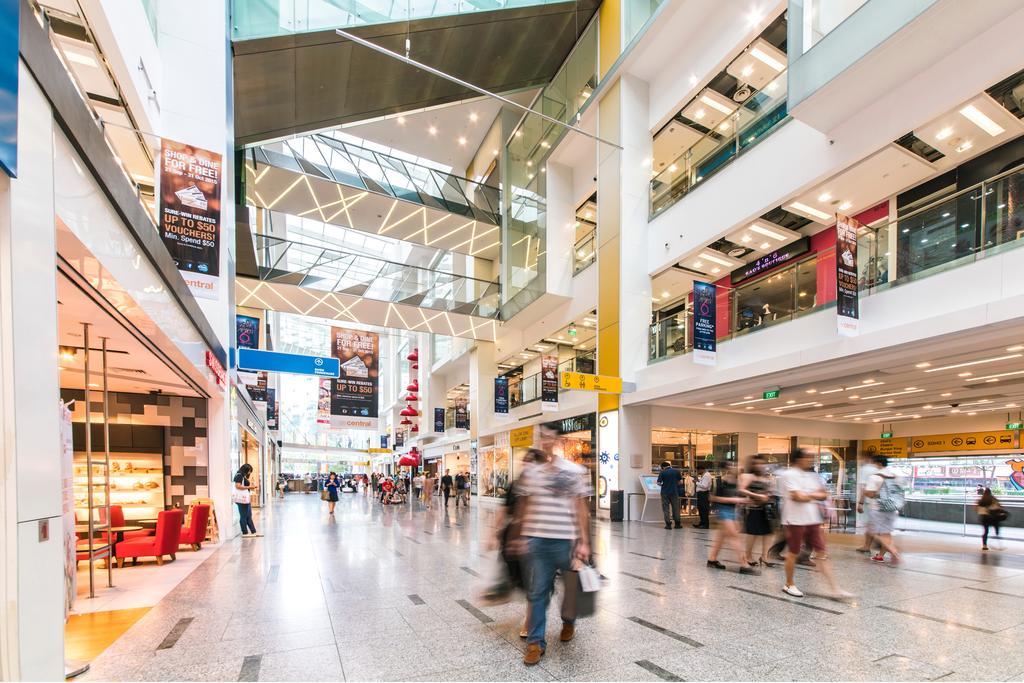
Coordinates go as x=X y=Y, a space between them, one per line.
x=590 y=579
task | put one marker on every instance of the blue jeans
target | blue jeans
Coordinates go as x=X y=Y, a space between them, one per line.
x=245 y=518
x=547 y=555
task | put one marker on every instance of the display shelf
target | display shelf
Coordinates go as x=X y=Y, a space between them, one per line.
x=136 y=483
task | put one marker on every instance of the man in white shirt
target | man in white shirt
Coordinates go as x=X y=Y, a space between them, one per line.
x=703 y=498
x=803 y=492
x=884 y=484
x=867 y=470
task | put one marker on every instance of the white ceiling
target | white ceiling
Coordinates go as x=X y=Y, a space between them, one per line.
x=132 y=366
x=409 y=132
x=586 y=332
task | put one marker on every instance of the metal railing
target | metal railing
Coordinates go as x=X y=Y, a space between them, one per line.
x=758 y=116
x=343 y=162
x=584 y=252
x=979 y=221
x=333 y=270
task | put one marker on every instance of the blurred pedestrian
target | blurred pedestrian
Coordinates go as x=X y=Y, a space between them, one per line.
x=417 y=484
x=332 y=486
x=703 y=489
x=465 y=490
x=446 y=486
x=726 y=500
x=428 y=490
x=868 y=469
x=669 y=480
x=991 y=514
x=757 y=523
x=886 y=500
x=460 y=480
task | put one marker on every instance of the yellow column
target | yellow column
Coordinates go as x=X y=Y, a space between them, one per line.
x=609 y=244
x=610 y=30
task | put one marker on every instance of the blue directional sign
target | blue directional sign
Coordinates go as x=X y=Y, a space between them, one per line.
x=291 y=363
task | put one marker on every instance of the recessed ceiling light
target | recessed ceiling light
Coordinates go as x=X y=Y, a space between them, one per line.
x=1018 y=347
x=699 y=114
x=948 y=393
x=844 y=206
x=750 y=407
x=923 y=365
x=747 y=70
x=673 y=168
x=964 y=146
x=724 y=125
x=432 y=130
x=972 y=413
x=401 y=120
x=944 y=133
x=766 y=245
x=716 y=270
x=965 y=374
x=693 y=79
x=746 y=239
x=709 y=403
x=766 y=58
x=811 y=211
x=988 y=378
x=890 y=401
x=748 y=397
x=824 y=197
x=811 y=391
x=927 y=407
x=715 y=104
x=664 y=294
x=767 y=232
x=698 y=264
x=790 y=401
x=473 y=117
x=855 y=397
x=828 y=415
x=462 y=141
x=978 y=118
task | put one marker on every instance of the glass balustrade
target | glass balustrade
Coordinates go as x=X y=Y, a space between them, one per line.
x=267 y=18
x=528 y=389
x=977 y=222
x=758 y=116
x=585 y=252
x=332 y=270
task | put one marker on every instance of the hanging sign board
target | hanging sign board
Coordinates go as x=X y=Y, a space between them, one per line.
x=272 y=408
x=521 y=438
x=190 y=180
x=890 y=448
x=289 y=363
x=439 y=420
x=462 y=413
x=772 y=260
x=847 y=303
x=705 y=334
x=967 y=441
x=354 y=393
x=501 y=395
x=247 y=332
x=549 y=383
x=585 y=382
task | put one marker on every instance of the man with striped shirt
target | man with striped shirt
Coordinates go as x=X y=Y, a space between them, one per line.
x=554 y=520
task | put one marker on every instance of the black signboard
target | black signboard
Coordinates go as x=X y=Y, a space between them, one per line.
x=776 y=258
x=272 y=409
x=847 y=303
x=585 y=364
x=439 y=420
x=501 y=395
x=462 y=413
x=247 y=332
x=383 y=440
x=704 y=324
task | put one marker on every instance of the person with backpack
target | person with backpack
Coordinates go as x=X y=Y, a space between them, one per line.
x=887 y=498
x=991 y=514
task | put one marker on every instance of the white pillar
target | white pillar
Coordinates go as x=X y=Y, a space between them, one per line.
x=634 y=449
x=482 y=371
x=32 y=628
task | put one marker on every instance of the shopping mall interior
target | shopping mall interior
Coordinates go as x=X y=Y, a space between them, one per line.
x=333 y=332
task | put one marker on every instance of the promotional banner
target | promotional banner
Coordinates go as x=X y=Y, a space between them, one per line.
x=399 y=438
x=323 y=404
x=847 y=304
x=383 y=440
x=439 y=420
x=190 y=180
x=247 y=332
x=258 y=391
x=272 y=409
x=462 y=412
x=354 y=393
x=608 y=457
x=705 y=333
x=67 y=475
x=501 y=395
x=549 y=383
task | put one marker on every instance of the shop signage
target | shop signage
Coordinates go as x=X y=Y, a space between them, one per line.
x=217 y=369
x=501 y=395
x=354 y=393
x=886 y=435
x=776 y=258
x=704 y=324
x=439 y=420
x=289 y=363
x=462 y=413
x=770 y=394
x=258 y=390
x=384 y=442
x=968 y=441
x=586 y=382
x=272 y=409
x=1015 y=425
x=521 y=437
x=9 y=11
x=847 y=304
x=247 y=332
x=890 y=448
x=569 y=425
x=190 y=180
x=607 y=457
x=323 y=403
x=549 y=383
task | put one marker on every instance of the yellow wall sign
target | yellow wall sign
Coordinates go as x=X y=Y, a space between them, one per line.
x=521 y=438
x=378 y=450
x=968 y=441
x=890 y=448
x=585 y=382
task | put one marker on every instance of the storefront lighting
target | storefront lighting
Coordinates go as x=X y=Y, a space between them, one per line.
x=67 y=353
x=978 y=118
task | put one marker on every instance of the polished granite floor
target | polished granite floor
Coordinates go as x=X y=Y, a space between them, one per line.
x=391 y=594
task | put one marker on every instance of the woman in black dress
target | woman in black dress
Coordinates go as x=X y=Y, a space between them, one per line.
x=332 y=486
x=755 y=486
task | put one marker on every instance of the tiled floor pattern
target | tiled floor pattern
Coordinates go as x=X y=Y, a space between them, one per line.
x=392 y=594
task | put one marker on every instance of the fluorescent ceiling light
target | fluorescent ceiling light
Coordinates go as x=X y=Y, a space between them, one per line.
x=795 y=405
x=803 y=208
x=944 y=133
x=1018 y=347
x=870 y=413
x=976 y=362
x=767 y=59
x=714 y=104
x=719 y=260
x=766 y=232
x=84 y=60
x=753 y=400
x=978 y=118
x=991 y=377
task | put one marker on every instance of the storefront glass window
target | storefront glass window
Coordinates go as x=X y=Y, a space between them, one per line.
x=494 y=471
x=776 y=297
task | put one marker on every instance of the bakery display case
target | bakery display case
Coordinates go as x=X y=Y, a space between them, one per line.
x=136 y=484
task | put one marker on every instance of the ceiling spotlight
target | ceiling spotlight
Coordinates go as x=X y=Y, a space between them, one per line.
x=944 y=133
x=844 y=206
x=432 y=130
x=824 y=197
x=401 y=120
x=462 y=141
x=923 y=365
x=709 y=403
x=473 y=117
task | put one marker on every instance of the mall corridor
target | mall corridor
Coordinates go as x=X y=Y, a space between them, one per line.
x=391 y=593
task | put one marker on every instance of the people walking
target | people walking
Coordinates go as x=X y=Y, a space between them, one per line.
x=465 y=490
x=886 y=498
x=460 y=480
x=804 y=490
x=428 y=490
x=726 y=500
x=242 y=497
x=703 y=489
x=308 y=481
x=669 y=480
x=868 y=469
x=553 y=520
x=991 y=515
x=332 y=486
x=446 y=486
x=757 y=522
x=417 y=484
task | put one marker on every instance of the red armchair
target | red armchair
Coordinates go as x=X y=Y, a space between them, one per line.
x=195 y=533
x=117 y=519
x=164 y=542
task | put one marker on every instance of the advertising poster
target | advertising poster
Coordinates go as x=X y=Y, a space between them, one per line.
x=258 y=391
x=705 y=333
x=323 y=404
x=190 y=180
x=354 y=393
x=462 y=413
x=383 y=440
x=439 y=420
x=247 y=332
x=549 y=383
x=67 y=476
x=501 y=395
x=399 y=438
x=272 y=409
x=847 y=304
x=607 y=457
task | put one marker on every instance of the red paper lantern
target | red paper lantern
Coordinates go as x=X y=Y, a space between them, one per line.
x=415 y=429
x=414 y=356
x=409 y=411
x=412 y=397
x=414 y=385
x=405 y=421
x=415 y=366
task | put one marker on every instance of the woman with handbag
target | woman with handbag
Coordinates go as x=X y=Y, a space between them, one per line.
x=757 y=522
x=242 y=497
x=330 y=492
x=991 y=514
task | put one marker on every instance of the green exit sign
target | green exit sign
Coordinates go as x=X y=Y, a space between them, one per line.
x=1015 y=425
x=886 y=435
x=771 y=393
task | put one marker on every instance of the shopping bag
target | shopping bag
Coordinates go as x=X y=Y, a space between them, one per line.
x=325 y=494
x=576 y=602
x=590 y=579
x=497 y=588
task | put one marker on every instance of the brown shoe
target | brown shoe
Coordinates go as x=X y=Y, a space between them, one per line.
x=568 y=631
x=533 y=654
